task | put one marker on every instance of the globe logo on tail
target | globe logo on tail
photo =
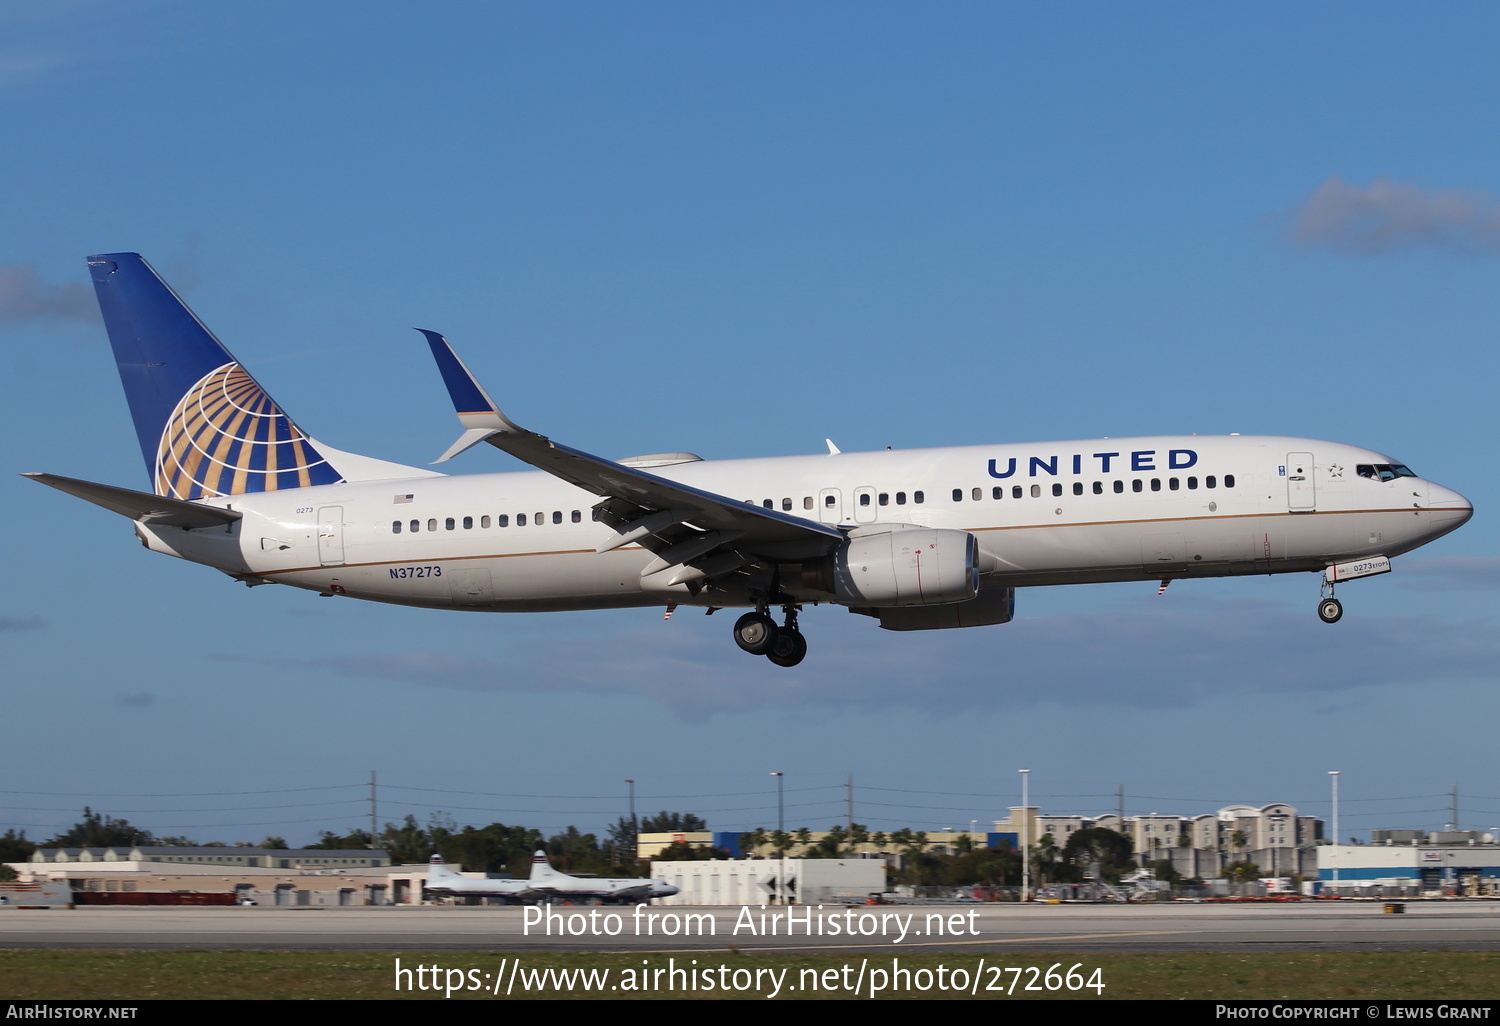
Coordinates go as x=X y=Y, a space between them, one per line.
x=228 y=437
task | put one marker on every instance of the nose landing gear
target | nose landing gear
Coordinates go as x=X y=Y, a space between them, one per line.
x=1330 y=609
x=758 y=634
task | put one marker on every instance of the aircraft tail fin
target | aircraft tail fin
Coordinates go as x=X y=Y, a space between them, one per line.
x=542 y=871
x=437 y=869
x=205 y=426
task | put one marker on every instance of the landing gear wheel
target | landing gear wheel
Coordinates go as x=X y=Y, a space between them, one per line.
x=1330 y=609
x=790 y=648
x=755 y=633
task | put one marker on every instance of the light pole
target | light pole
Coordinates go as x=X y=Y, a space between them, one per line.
x=1334 y=774
x=780 y=829
x=1025 y=835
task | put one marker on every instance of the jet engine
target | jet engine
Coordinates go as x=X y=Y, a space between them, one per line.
x=912 y=566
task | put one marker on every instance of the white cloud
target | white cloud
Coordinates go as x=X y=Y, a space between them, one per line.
x=25 y=296
x=1389 y=215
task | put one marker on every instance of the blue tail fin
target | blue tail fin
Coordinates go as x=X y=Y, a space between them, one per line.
x=205 y=426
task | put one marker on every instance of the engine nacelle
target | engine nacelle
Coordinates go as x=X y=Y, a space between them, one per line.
x=994 y=605
x=906 y=567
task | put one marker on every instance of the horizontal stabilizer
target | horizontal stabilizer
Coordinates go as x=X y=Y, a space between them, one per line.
x=155 y=510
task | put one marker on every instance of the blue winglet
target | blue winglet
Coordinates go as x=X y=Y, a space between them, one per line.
x=468 y=395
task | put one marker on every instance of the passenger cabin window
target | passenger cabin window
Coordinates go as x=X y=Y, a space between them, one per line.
x=578 y=516
x=977 y=494
x=520 y=519
x=958 y=495
x=1016 y=492
x=999 y=492
x=449 y=524
x=885 y=498
x=828 y=501
x=416 y=525
x=395 y=527
x=1135 y=485
x=918 y=498
x=1077 y=487
x=1098 y=487
x=557 y=516
x=1173 y=483
x=1156 y=484
x=1057 y=489
x=484 y=522
x=1192 y=483
x=807 y=502
x=786 y=504
x=432 y=524
x=1209 y=481
x=539 y=519
x=1119 y=487
x=503 y=520
x=1228 y=480
x=864 y=498
x=768 y=504
x=901 y=498
x=1036 y=491
x=468 y=523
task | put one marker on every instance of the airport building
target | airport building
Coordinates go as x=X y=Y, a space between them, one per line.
x=222 y=856
x=1449 y=862
x=1275 y=837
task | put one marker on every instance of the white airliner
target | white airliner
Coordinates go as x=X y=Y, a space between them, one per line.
x=442 y=880
x=918 y=539
x=545 y=883
x=557 y=884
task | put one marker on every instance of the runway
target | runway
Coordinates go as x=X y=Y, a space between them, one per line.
x=1322 y=926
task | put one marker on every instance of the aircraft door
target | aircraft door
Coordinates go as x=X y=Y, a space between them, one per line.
x=831 y=506
x=1301 y=489
x=865 y=509
x=331 y=535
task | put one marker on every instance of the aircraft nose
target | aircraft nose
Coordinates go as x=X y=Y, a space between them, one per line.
x=1448 y=508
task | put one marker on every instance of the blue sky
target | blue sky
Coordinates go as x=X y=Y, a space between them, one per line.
x=737 y=229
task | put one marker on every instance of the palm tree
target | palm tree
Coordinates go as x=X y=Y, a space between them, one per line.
x=752 y=841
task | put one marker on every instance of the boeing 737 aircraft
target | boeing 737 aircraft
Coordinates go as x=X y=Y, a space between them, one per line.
x=917 y=539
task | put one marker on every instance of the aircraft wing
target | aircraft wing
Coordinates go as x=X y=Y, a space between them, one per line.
x=156 y=510
x=701 y=533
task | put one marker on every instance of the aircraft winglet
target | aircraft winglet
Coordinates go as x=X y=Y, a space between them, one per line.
x=476 y=410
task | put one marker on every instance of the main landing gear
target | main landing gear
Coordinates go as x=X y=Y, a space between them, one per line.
x=1330 y=609
x=758 y=634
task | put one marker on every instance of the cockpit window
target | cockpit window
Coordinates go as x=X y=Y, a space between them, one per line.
x=1383 y=471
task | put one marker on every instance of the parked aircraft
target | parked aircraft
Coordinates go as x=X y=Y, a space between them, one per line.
x=442 y=880
x=917 y=539
x=557 y=884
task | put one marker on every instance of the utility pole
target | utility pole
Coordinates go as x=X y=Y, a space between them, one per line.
x=780 y=829
x=1455 y=806
x=635 y=830
x=373 y=816
x=849 y=798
